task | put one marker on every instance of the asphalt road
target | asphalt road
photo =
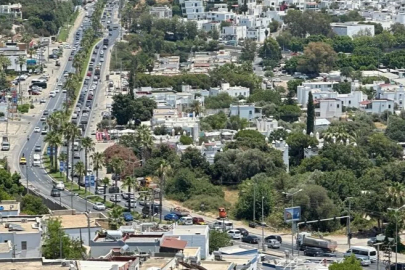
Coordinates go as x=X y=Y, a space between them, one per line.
x=37 y=176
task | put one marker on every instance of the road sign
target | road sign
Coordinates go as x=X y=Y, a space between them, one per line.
x=87 y=181
x=48 y=151
x=61 y=166
x=292 y=214
x=92 y=180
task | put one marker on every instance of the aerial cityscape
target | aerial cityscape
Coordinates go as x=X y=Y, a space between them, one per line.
x=202 y=134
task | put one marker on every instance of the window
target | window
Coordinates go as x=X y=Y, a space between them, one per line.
x=23 y=245
x=389 y=106
x=338 y=106
x=350 y=102
x=250 y=112
x=317 y=114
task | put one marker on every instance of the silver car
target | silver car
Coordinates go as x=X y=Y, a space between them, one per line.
x=273 y=243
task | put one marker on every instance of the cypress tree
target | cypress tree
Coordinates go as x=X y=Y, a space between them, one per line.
x=310 y=114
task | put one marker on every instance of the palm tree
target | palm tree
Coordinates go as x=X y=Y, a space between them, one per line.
x=163 y=170
x=196 y=107
x=115 y=219
x=105 y=181
x=98 y=162
x=338 y=133
x=88 y=145
x=71 y=132
x=144 y=137
x=396 y=194
x=21 y=61
x=4 y=62
x=79 y=170
x=31 y=51
x=54 y=140
x=118 y=166
x=129 y=182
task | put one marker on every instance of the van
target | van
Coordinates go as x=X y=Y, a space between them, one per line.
x=36 y=161
x=55 y=192
x=100 y=190
x=186 y=221
x=224 y=224
x=369 y=252
x=60 y=185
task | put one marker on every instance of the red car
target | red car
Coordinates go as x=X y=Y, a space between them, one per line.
x=90 y=97
x=198 y=221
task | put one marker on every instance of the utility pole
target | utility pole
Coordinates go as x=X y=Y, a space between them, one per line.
x=263 y=245
x=254 y=202
x=348 y=221
x=292 y=222
x=26 y=174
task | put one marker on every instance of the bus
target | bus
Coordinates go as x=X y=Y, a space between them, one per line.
x=36 y=161
x=369 y=252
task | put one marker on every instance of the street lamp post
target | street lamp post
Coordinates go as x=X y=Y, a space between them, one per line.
x=263 y=245
x=396 y=233
x=292 y=222
x=348 y=221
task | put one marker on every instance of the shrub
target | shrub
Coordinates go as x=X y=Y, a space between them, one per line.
x=211 y=203
x=24 y=108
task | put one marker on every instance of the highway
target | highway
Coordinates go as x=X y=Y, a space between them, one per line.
x=37 y=177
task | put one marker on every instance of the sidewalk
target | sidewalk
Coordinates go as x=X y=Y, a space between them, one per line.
x=18 y=130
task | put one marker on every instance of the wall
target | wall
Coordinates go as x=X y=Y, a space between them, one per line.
x=75 y=233
x=103 y=247
x=33 y=243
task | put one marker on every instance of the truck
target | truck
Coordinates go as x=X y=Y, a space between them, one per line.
x=97 y=71
x=305 y=239
x=180 y=212
x=5 y=144
x=105 y=41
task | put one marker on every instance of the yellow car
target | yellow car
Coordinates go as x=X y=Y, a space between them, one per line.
x=23 y=161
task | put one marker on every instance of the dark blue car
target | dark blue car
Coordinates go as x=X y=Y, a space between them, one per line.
x=171 y=217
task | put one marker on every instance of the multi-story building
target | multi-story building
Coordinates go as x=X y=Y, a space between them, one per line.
x=220 y=16
x=246 y=111
x=192 y=9
x=329 y=108
x=14 y=10
x=161 y=12
x=233 y=91
x=377 y=106
x=266 y=125
x=233 y=32
x=257 y=34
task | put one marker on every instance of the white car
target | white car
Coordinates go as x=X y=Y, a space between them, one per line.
x=60 y=84
x=57 y=90
x=43 y=119
x=234 y=234
x=115 y=198
x=99 y=206
x=52 y=94
x=102 y=59
x=37 y=130
x=63 y=90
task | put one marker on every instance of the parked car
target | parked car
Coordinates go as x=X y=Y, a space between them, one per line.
x=234 y=234
x=273 y=243
x=243 y=231
x=171 y=217
x=372 y=241
x=365 y=261
x=274 y=236
x=128 y=216
x=115 y=198
x=99 y=206
x=251 y=239
x=198 y=221
x=398 y=266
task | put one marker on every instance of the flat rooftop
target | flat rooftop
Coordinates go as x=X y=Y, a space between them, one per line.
x=4 y=247
x=216 y=265
x=98 y=265
x=19 y=227
x=76 y=221
x=9 y=205
x=29 y=266
x=190 y=229
x=158 y=262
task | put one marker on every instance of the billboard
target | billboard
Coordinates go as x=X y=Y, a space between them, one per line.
x=292 y=214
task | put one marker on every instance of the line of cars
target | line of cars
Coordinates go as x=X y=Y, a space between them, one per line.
x=272 y=241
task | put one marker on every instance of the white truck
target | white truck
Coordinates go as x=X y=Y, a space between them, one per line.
x=5 y=144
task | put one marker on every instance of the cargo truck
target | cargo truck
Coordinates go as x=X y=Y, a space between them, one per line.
x=180 y=212
x=304 y=240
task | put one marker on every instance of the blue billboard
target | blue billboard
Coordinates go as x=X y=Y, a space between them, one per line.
x=292 y=214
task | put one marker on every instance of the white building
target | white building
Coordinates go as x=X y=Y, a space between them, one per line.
x=192 y=9
x=25 y=236
x=282 y=146
x=220 y=16
x=246 y=111
x=266 y=125
x=328 y=108
x=197 y=236
x=257 y=34
x=161 y=12
x=318 y=89
x=377 y=106
x=14 y=10
x=352 y=28
x=9 y=208
x=392 y=92
x=233 y=91
x=211 y=26
x=233 y=32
